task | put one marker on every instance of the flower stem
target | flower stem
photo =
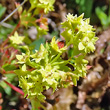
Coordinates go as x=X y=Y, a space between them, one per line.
x=14 y=88
x=56 y=58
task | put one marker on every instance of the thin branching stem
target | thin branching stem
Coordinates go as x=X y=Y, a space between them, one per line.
x=12 y=12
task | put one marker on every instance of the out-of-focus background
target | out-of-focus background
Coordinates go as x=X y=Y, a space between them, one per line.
x=92 y=92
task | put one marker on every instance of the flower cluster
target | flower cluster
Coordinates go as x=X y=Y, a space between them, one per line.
x=42 y=5
x=80 y=33
x=46 y=68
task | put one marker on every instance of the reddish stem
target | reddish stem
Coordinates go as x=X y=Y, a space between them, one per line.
x=14 y=88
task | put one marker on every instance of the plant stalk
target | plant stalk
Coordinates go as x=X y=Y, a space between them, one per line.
x=13 y=12
x=14 y=88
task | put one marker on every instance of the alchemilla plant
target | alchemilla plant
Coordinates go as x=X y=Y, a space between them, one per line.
x=46 y=68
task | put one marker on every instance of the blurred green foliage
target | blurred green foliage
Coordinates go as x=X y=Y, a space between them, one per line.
x=103 y=17
x=81 y=6
x=4 y=86
x=98 y=11
x=85 y=6
x=4 y=30
x=2 y=10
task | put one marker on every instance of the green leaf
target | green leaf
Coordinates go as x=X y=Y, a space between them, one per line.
x=10 y=77
x=8 y=67
x=102 y=16
x=36 y=44
x=19 y=57
x=6 y=88
x=54 y=45
x=24 y=67
x=2 y=10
